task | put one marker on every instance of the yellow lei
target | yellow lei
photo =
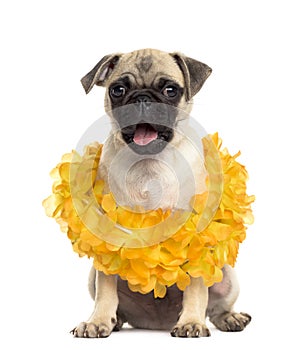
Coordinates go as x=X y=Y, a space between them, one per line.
x=185 y=253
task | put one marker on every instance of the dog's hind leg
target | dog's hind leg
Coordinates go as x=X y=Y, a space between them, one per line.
x=222 y=297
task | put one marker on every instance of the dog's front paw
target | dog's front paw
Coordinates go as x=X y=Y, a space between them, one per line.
x=91 y=330
x=190 y=330
x=231 y=321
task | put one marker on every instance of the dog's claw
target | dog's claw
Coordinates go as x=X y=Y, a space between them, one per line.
x=91 y=330
x=246 y=318
x=190 y=330
x=73 y=331
x=231 y=321
x=174 y=331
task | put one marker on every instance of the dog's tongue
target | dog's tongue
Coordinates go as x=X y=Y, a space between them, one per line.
x=144 y=134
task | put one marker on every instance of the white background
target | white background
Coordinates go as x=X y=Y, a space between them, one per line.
x=46 y=47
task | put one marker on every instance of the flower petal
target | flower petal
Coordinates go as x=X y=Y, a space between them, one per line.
x=189 y=251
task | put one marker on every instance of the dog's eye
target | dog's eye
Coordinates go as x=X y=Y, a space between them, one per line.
x=118 y=91
x=170 y=91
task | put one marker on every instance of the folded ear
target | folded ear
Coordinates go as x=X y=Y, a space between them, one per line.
x=194 y=72
x=99 y=74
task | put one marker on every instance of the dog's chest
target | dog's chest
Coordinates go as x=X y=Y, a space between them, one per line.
x=167 y=181
x=151 y=184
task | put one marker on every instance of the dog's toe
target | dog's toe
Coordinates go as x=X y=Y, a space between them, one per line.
x=190 y=330
x=91 y=330
x=118 y=324
x=231 y=321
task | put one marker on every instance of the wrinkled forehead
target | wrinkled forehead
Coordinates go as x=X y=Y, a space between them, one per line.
x=144 y=68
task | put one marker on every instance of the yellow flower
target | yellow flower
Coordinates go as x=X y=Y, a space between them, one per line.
x=156 y=249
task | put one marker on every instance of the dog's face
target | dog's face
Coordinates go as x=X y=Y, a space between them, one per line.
x=146 y=89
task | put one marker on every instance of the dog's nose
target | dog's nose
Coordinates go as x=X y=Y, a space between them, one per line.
x=143 y=100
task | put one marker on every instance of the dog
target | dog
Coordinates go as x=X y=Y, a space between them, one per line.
x=147 y=93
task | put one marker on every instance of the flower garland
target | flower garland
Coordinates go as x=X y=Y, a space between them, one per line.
x=186 y=253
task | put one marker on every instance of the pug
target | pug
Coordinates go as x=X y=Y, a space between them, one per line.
x=148 y=93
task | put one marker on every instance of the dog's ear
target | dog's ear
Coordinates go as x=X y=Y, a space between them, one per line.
x=194 y=72
x=99 y=74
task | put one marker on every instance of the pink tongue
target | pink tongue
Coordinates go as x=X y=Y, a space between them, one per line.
x=144 y=134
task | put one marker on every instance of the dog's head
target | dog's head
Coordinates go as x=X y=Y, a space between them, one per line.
x=146 y=89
